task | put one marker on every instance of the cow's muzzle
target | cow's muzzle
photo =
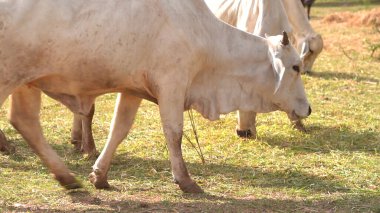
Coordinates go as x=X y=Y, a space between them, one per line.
x=294 y=116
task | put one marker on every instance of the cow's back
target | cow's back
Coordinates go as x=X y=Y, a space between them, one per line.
x=105 y=44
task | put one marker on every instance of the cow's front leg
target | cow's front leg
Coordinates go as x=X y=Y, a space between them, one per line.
x=124 y=115
x=171 y=111
x=246 y=127
x=24 y=116
x=5 y=146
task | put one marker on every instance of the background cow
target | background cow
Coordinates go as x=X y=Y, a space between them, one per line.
x=307 y=4
x=174 y=53
x=244 y=14
x=261 y=17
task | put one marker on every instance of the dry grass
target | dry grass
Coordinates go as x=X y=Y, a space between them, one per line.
x=361 y=18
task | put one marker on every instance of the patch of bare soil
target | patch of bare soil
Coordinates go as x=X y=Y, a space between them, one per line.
x=362 y=18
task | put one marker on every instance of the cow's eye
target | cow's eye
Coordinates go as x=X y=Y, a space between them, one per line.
x=296 y=68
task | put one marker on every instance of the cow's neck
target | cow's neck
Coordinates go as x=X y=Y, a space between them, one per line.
x=298 y=19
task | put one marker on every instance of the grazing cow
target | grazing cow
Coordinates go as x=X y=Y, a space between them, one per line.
x=243 y=14
x=261 y=17
x=174 y=53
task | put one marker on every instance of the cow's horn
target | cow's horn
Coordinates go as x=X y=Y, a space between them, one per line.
x=285 y=39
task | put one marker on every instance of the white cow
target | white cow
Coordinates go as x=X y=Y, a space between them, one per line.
x=270 y=17
x=174 y=53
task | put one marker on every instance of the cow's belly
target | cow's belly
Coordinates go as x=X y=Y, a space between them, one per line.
x=97 y=83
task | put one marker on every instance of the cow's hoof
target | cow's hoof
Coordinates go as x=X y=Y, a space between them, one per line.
x=192 y=188
x=77 y=144
x=98 y=182
x=5 y=146
x=68 y=182
x=7 y=149
x=246 y=133
x=298 y=125
x=70 y=186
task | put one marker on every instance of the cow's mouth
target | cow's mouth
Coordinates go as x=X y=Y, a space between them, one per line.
x=295 y=117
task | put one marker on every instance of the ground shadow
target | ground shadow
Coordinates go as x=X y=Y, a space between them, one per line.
x=201 y=203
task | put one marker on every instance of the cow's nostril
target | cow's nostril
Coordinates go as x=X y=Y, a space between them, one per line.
x=309 y=111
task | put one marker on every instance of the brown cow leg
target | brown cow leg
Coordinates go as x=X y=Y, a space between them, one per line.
x=5 y=146
x=125 y=111
x=24 y=116
x=308 y=11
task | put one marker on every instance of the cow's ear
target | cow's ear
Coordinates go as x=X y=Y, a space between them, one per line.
x=278 y=69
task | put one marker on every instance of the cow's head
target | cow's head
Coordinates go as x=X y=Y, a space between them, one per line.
x=289 y=93
x=309 y=50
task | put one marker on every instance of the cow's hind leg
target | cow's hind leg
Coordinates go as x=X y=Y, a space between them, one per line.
x=76 y=132
x=246 y=127
x=81 y=134
x=124 y=115
x=24 y=116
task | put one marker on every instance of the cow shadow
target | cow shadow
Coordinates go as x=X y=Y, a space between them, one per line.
x=211 y=203
x=135 y=168
x=332 y=75
x=140 y=169
x=323 y=139
x=125 y=167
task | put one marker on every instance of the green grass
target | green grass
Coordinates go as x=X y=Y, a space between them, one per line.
x=334 y=167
